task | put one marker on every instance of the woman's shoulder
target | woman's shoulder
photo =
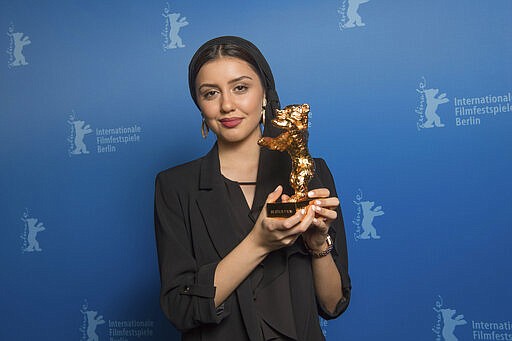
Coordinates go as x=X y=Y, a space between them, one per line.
x=323 y=172
x=320 y=164
x=180 y=174
x=187 y=176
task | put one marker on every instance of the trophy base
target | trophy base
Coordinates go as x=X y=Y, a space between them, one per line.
x=284 y=209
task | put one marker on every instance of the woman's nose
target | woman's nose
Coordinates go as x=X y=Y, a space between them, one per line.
x=227 y=104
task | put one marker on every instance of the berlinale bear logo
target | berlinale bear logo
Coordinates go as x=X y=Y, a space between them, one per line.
x=173 y=24
x=363 y=220
x=18 y=40
x=429 y=102
x=350 y=17
x=446 y=322
x=78 y=131
x=91 y=320
x=32 y=226
x=433 y=102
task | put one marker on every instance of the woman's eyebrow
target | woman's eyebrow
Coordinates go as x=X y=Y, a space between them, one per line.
x=239 y=79
x=209 y=85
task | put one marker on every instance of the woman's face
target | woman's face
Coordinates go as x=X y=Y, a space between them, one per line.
x=230 y=96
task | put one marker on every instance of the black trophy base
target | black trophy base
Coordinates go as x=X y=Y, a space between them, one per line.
x=284 y=209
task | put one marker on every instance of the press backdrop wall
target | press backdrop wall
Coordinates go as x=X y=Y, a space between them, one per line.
x=411 y=108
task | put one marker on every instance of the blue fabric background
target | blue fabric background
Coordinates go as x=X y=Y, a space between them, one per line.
x=445 y=192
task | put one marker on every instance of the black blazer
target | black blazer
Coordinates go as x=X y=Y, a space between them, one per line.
x=194 y=231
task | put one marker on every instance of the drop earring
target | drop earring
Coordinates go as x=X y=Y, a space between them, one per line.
x=204 y=129
x=263 y=111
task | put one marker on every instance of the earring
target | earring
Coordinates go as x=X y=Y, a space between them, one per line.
x=204 y=129
x=263 y=111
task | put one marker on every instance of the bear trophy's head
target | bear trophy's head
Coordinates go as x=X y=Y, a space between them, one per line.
x=293 y=116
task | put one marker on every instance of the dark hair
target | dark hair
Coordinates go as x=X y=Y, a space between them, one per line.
x=214 y=52
x=236 y=47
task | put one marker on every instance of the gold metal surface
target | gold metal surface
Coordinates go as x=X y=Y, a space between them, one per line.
x=293 y=119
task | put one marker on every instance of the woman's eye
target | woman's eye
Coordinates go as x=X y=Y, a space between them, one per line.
x=241 y=88
x=209 y=94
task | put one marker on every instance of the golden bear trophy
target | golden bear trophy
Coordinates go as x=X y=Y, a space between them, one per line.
x=293 y=119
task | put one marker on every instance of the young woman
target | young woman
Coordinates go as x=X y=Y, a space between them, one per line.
x=229 y=272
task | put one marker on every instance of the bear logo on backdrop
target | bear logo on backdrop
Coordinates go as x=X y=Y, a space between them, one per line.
x=364 y=216
x=173 y=24
x=446 y=322
x=350 y=16
x=117 y=330
x=466 y=110
x=108 y=140
x=90 y=321
x=78 y=130
x=429 y=101
x=31 y=227
x=17 y=42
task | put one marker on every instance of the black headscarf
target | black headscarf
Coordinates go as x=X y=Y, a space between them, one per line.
x=263 y=69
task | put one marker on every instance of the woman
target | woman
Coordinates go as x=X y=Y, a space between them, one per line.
x=227 y=270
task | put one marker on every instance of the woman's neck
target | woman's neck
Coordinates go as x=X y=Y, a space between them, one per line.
x=239 y=161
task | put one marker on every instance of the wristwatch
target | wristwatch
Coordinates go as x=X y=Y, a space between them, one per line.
x=323 y=253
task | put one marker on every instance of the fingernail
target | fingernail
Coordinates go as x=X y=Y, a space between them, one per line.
x=277 y=188
x=303 y=211
x=318 y=202
x=315 y=221
x=311 y=193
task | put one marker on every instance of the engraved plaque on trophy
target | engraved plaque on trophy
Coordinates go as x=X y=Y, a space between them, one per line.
x=293 y=120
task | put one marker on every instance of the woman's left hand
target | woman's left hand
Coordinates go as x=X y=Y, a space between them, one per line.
x=325 y=213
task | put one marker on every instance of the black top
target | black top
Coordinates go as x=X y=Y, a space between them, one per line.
x=195 y=222
x=279 y=326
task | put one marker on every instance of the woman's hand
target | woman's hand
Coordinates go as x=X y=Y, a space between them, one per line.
x=275 y=233
x=324 y=208
x=267 y=235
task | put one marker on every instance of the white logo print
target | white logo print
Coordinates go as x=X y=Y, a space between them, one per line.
x=448 y=322
x=470 y=110
x=18 y=40
x=323 y=325
x=349 y=16
x=429 y=101
x=78 y=131
x=363 y=219
x=32 y=226
x=90 y=322
x=117 y=330
x=108 y=140
x=173 y=23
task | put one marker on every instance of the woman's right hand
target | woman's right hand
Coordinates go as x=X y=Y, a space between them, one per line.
x=274 y=233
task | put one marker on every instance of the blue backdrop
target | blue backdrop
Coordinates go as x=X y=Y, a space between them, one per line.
x=411 y=108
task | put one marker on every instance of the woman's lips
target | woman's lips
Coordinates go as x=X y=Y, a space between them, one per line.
x=230 y=122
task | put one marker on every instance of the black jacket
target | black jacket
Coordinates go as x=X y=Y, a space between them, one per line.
x=194 y=232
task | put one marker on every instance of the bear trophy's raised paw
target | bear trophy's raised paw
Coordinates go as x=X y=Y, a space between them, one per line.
x=293 y=119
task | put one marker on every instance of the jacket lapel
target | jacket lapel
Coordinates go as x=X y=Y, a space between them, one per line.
x=213 y=203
